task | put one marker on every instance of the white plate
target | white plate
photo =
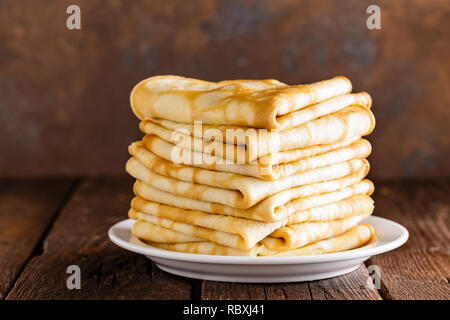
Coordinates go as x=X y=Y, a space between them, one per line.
x=390 y=235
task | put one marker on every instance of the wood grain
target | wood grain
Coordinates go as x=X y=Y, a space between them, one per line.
x=79 y=237
x=418 y=270
x=352 y=286
x=421 y=268
x=27 y=208
x=288 y=291
x=214 y=290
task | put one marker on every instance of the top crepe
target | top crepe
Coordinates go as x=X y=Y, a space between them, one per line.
x=268 y=104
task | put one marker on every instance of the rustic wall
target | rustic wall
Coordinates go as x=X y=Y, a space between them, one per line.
x=64 y=94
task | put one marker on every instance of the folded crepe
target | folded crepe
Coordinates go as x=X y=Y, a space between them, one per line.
x=355 y=237
x=300 y=234
x=166 y=236
x=252 y=103
x=222 y=187
x=197 y=247
x=251 y=167
x=266 y=169
x=273 y=208
x=246 y=145
x=292 y=119
x=239 y=233
x=168 y=150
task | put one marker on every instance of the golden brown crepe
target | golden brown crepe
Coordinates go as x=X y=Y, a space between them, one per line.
x=227 y=188
x=244 y=233
x=355 y=237
x=199 y=247
x=246 y=145
x=142 y=230
x=266 y=169
x=171 y=152
x=251 y=167
x=298 y=235
x=274 y=208
x=252 y=103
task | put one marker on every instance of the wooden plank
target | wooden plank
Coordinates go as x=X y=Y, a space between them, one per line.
x=418 y=270
x=288 y=291
x=352 y=286
x=214 y=290
x=421 y=268
x=79 y=237
x=27 y=208
x=346 y=287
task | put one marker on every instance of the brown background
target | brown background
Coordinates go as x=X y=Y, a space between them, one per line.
x=64 y=94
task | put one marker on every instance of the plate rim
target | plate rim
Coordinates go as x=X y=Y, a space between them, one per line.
x=234 y=260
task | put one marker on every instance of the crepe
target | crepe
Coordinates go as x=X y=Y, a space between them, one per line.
x=268 y=168
x=354 y=238
x=298 y=235
x=246 y=145
x=199 y=247
x=274 y=208
x=226 y=188
x=141 y=230
x=171 y=152
x=244 y=233
x=290 y=120
x=252 y=103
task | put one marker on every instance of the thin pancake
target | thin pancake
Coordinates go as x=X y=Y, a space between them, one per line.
x=226 y=188
x=246 y=145
x=250 y=103
x=244 y=233
x=356 y=237
x=264 y=168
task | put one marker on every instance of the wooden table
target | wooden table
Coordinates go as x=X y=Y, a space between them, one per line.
x=48 y=224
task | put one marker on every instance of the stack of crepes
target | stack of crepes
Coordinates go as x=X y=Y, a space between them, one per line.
x=251 y=167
